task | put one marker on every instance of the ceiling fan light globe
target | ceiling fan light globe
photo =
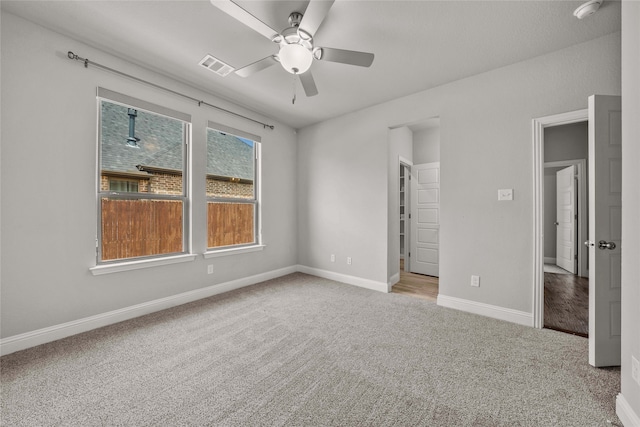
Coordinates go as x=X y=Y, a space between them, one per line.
x=296 y=59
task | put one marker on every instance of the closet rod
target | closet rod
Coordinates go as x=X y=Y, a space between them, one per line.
x=87 y=62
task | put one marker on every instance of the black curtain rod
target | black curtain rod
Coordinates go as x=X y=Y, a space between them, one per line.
x=87 y=62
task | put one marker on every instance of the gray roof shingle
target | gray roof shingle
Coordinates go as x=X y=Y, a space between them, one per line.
x=160 y=145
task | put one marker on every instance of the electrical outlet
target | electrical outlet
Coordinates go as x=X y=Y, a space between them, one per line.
x=635 y=369
x=349 y=260
x=210 y=269
x=505 y=194
x=475 y=281
x=333 y=258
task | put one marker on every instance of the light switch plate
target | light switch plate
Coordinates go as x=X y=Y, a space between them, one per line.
x=475 y=281
x=505 y=194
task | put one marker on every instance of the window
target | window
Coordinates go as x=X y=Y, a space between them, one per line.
x=142 y=205
x=122 y=186
x=232 y=187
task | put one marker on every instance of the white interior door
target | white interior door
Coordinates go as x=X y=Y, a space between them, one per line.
x=566 y=219
x=425 y=219
x=605 y=183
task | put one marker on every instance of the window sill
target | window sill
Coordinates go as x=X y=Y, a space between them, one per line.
x=233 y=251
x=136 y=265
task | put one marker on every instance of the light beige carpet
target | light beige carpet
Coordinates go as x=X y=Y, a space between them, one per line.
x=304 y=351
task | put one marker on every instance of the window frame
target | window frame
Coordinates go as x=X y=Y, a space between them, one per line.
x=256 y=201
x=135 y=262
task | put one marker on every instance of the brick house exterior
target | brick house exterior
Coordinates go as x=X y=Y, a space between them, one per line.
x=155 y=165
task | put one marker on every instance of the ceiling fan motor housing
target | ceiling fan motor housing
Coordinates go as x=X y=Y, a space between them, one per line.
x=295 y=18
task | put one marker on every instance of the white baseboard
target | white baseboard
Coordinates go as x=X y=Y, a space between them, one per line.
x=625 y=412
x=53 y=333
x=350 y=280
x=494 y=311
x=549 y=260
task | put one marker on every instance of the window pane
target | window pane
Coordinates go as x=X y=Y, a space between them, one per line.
x=134 y=228
x=123 y=186
x=230 y=224
x=230 y=166
x=141 y=145
x=142 y=153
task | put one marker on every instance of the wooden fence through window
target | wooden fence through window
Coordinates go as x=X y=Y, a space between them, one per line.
x=229 y=224
x=134 y=228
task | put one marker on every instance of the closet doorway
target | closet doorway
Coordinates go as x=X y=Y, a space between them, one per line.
x=415 y=150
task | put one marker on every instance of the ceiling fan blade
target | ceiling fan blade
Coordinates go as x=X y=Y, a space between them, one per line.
x=314 y=15
x=308 y=84
x=351 y=57
x=238 y=12
x=256 y=66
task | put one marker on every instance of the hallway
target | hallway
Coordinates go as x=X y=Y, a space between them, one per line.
x=416 y=285
x=566 y=303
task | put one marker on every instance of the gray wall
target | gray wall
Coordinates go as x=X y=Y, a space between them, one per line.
x=486 y=144
x=426 y=145
x=49 y=173
x=631 y=201
x=565 y=142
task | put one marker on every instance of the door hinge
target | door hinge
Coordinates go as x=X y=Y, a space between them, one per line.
x=575 y=216
x=409 y=254
x=575 y=256
x=409 y=216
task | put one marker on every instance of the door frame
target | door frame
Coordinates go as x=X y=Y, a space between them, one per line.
x=407 y=164
x=583 y=231
x=538 y=126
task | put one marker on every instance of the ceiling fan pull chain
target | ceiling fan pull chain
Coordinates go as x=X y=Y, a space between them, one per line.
x=293 y=101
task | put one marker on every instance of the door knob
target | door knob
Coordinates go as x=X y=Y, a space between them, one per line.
x=602 y=244
x=589 y=243
x=556 y=223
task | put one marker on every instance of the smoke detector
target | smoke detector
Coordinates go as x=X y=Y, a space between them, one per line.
x=587 y=9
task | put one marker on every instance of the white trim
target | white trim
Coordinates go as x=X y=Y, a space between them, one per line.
x=538 y=126
x=392 y=281
x=350 y=280
x=233 y=251
x=625 y=412
x=549 y=260
x=407 y=162
x=53 y=333
x=143 y=263
x=233 y=131
x=510 y=315
x=140 y=104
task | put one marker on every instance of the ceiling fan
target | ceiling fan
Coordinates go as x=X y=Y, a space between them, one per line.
x=297 y=50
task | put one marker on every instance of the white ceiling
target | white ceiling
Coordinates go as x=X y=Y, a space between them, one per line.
x=417 y=44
